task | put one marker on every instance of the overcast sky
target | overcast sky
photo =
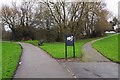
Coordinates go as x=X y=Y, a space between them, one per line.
x=112 y=5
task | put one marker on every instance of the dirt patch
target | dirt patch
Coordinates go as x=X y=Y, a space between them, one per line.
x=69 y=60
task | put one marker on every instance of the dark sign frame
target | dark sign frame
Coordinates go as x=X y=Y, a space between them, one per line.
x=69 y=41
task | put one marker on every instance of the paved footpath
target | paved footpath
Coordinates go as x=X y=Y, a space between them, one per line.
x=92 y=69
x=35 y=63
x=94 y=65
x=92 y=55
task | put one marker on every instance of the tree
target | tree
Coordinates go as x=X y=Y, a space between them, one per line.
x=53 y=20
x=9 y=17
x=66 y=15
x=114 y=22
x=95 y=19
x=18 y=19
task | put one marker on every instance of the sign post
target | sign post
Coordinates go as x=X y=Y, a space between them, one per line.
x=69 y=41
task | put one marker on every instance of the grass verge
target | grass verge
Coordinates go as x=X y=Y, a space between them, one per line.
x=57 y=49
x=0 y=60
x=108 y=47
x=10 y=57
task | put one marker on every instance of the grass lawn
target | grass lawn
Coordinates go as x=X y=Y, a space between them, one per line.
x=0 y=60
x=108 y=47
x=10 y=56
x=57 y=49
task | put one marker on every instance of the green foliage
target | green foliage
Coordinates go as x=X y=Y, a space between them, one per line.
x=34 y=42
x=23 y=33
x=57 y=49
x=108 y=47
x=10 y=57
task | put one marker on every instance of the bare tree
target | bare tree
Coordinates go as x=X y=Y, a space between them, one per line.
x=18 y=18
x=56 y=18
x=9 y=17
x=66 y=15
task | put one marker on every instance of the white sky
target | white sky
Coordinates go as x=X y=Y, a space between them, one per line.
x=112 y=5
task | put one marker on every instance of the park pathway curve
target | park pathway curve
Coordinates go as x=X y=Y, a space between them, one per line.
x=94 y=65
x=35 y=63
x=92 y=55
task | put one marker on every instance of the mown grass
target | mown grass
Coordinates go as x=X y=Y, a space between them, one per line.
x=57 y=49
x=109 y=47
x=10 y=56
x=0 y=60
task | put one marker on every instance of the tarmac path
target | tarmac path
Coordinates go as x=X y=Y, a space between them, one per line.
x=93 y=65
x=38 y=64
x=35 y=63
